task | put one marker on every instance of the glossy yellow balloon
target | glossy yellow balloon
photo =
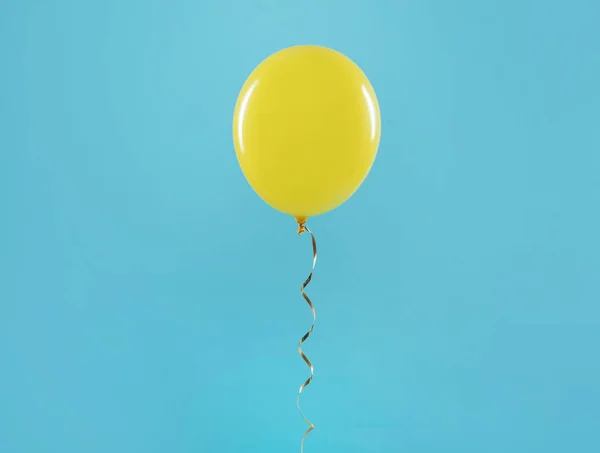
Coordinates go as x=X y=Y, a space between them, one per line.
x=306 y=129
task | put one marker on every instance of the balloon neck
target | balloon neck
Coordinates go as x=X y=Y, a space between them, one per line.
x=301 y=221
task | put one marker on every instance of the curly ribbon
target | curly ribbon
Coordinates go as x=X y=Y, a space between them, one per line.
x=301 y=229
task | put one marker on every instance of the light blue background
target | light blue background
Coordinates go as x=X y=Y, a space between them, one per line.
x=149 y=299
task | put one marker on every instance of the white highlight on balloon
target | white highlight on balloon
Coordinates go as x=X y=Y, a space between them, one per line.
x=242 y=112
x=372 y=115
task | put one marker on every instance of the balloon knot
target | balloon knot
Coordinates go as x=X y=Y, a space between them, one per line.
x=301 y=222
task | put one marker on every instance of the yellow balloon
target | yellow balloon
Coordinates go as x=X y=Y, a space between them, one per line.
x=306 y=129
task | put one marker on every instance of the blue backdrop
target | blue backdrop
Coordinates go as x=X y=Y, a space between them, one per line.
x=149 y=300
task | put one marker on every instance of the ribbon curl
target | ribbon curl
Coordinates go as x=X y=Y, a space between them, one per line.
x=301 y=229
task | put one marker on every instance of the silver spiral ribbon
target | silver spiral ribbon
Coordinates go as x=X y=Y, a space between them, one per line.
x=301 y=229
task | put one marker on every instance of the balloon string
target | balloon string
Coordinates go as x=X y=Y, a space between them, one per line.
x=301 y=229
